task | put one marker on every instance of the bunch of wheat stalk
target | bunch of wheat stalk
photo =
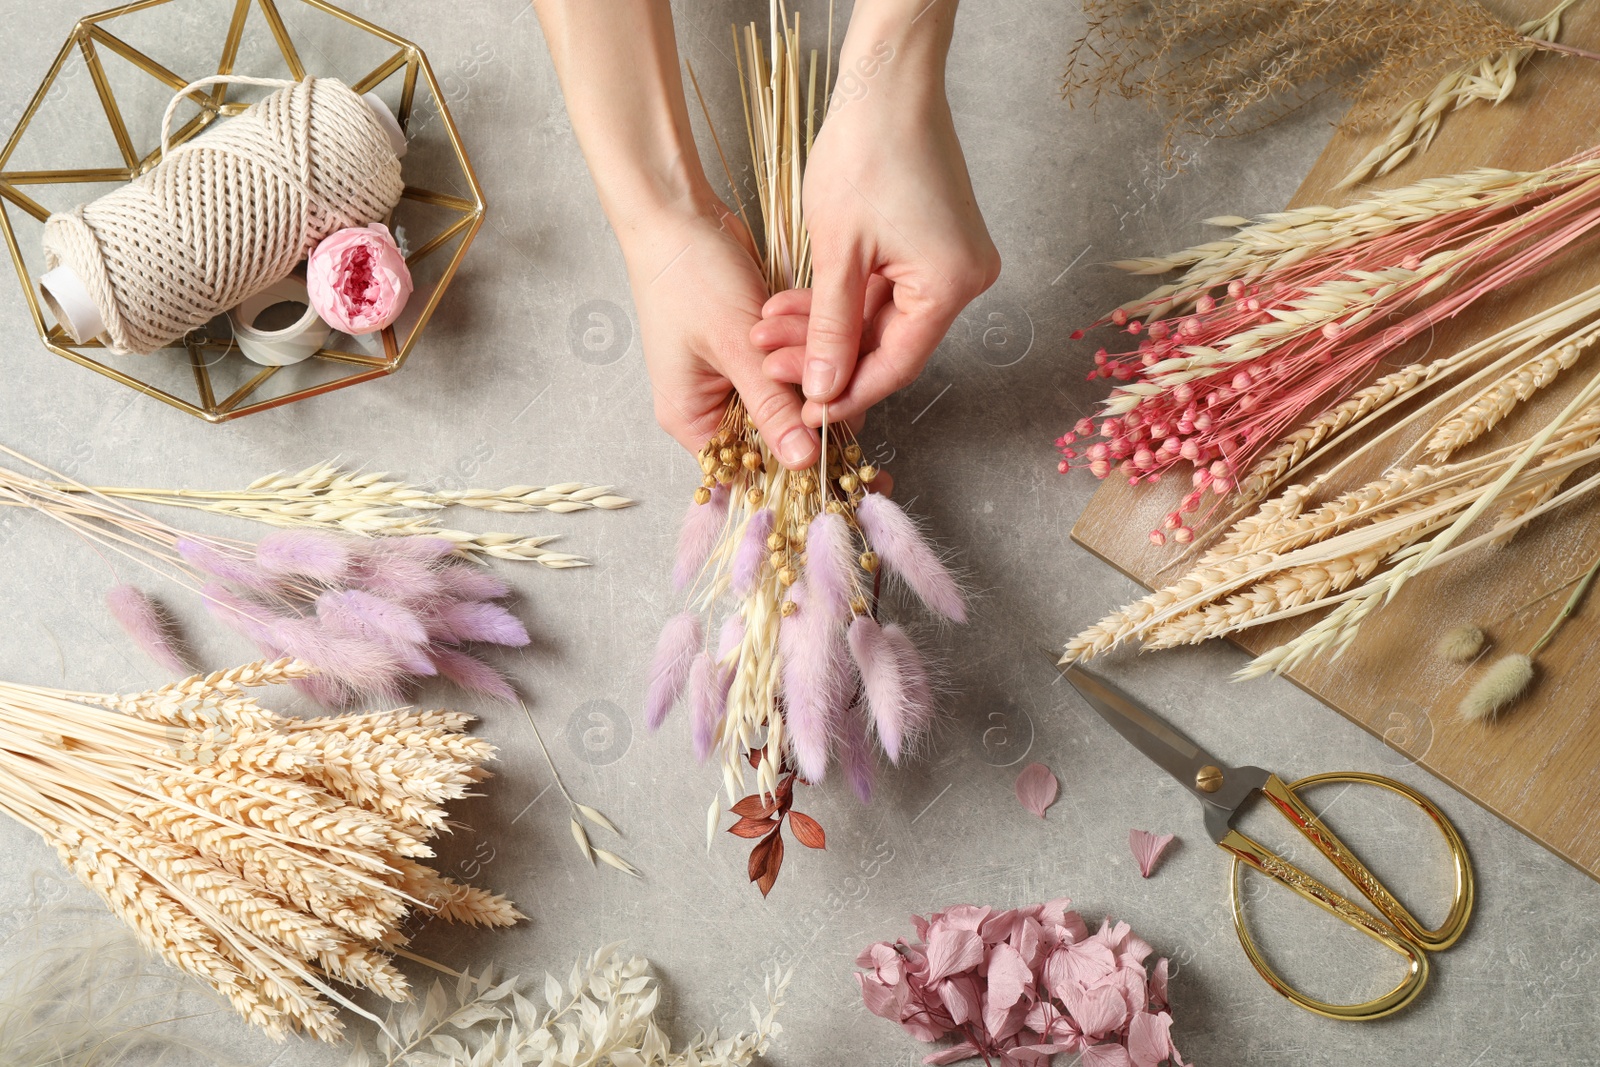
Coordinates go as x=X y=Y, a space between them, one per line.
x=1282 y=321
x=1219 y=67
x=1305 y=549
x=269 y=856
x=800 y=669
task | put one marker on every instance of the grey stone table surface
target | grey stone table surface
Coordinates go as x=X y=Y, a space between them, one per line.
x=497 y=394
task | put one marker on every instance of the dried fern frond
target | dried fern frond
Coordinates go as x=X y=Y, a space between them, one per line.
x=1222 y=67
x=603 y=1014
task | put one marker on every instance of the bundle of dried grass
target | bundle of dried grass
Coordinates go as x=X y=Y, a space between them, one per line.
x=268 y=856
x=800 y=670
x=1221 y=67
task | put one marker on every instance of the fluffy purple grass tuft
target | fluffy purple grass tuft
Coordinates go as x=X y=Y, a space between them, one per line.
x=669 y=668
x=248 y=617
x=322 y=557
x=701 y=525
x=365 y=664
x=219 y=564
x=708 y=697
x=830 y=562
x=468 y=581
x=855 y=753
x=897 y=541
x=482 y=621
x=354 y=612
x=470 y=672
x=816 y=680
x=751 y=555
x=895 y=680
x=148 y=625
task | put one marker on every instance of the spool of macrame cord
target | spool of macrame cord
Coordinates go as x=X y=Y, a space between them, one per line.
x=223 y=216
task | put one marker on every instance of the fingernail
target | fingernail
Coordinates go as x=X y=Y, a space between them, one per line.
x=819 y=379
x=795 y=448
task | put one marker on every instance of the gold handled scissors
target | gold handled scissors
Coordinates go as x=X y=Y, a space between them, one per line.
x=1223 y=792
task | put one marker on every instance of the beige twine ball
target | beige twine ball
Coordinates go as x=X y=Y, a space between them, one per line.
x=227 y=214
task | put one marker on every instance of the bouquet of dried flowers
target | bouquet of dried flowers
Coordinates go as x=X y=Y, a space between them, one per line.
x=801 y=669
x=1228 y=398
x=604 y=1014
x=1222 y=67
x=361 y=583
x=268 y=856
x=1019 y=987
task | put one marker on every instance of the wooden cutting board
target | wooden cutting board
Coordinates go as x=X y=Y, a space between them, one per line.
x=1538 y=767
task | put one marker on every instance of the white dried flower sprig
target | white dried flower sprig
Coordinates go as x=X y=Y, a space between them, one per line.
x=604 y=1016
x=1491 y=80
x=371 y=504
x=271 y=857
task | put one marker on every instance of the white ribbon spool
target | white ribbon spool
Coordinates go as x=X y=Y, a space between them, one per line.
x=278 y=348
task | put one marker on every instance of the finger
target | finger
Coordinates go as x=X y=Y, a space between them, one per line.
x=908 y=339
x=833 y=332
x=780 y=331
x=785 y=364
x=788 y=302
x=774 y=407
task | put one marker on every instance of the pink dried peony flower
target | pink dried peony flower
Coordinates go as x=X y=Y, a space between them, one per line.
x=357 y=279
x=1017 y=987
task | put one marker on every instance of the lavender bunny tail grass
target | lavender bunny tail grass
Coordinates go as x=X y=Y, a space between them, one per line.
x=830 y=564
x=897 y=541
x=751 y=554
x=701 y=525
x=816 y=680
x=895 y=680
x=148 y=625
x=855 y=753
x=669 y=669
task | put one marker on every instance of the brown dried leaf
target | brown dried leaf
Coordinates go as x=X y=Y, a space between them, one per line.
x=807 y=830
x=754 y=806
x=759 y=855
x=774 y=861
x=749 y=827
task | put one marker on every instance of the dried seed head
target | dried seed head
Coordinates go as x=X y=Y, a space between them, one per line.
x=752 y=461
x=788 y=576
x=858 y=605
x=789 y=608
x=1499 y=687
x=755 y=496
x=702 y=495
x=1460 y=644
x=776 y=541
x=867 y=473
x=848 y=483
x=869 y=562
x=727 y=455
x=852 y=453
x=833 y=507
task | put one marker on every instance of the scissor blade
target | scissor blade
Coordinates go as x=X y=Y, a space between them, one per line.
x=1145 y=730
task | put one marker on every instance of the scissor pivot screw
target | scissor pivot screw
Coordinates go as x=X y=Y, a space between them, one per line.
x=1208 y=779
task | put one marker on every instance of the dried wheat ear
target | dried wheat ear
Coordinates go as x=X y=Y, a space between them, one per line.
x=274 y=858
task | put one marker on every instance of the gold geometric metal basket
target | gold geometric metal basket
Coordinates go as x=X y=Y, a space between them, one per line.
x=95 y=120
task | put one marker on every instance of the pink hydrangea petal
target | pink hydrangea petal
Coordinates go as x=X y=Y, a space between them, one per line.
x=1147 y=848
x=1110 y=1054
x=951 y=951
x=954 y=1054
x=1037 y=788
x=1150 y=1039
x=1009 y=977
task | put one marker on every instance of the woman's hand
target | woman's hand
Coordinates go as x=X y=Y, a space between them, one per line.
x=699 y=293
x=898 y=244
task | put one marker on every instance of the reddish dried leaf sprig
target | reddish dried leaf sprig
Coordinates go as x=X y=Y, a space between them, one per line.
x=761 y=817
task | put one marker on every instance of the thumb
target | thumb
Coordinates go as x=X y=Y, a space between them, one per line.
x=833 y=332
x=774 y=407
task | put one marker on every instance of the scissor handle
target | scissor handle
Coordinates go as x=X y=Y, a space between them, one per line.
x=1287 y=801
x=1397 y=930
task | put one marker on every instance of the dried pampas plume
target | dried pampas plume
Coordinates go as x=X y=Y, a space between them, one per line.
x=1460 y=644
x=1500 y=687
x=1217 y=67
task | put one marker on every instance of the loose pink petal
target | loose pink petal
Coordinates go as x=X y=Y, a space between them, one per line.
x=1096 y=1011
x=1147 y=849
x=1109 y=1054
x=1037 y=788
x=1009 y=977
x=966 y=1050
x=951 y=951
x=148 y=625
x=1150 y=1039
